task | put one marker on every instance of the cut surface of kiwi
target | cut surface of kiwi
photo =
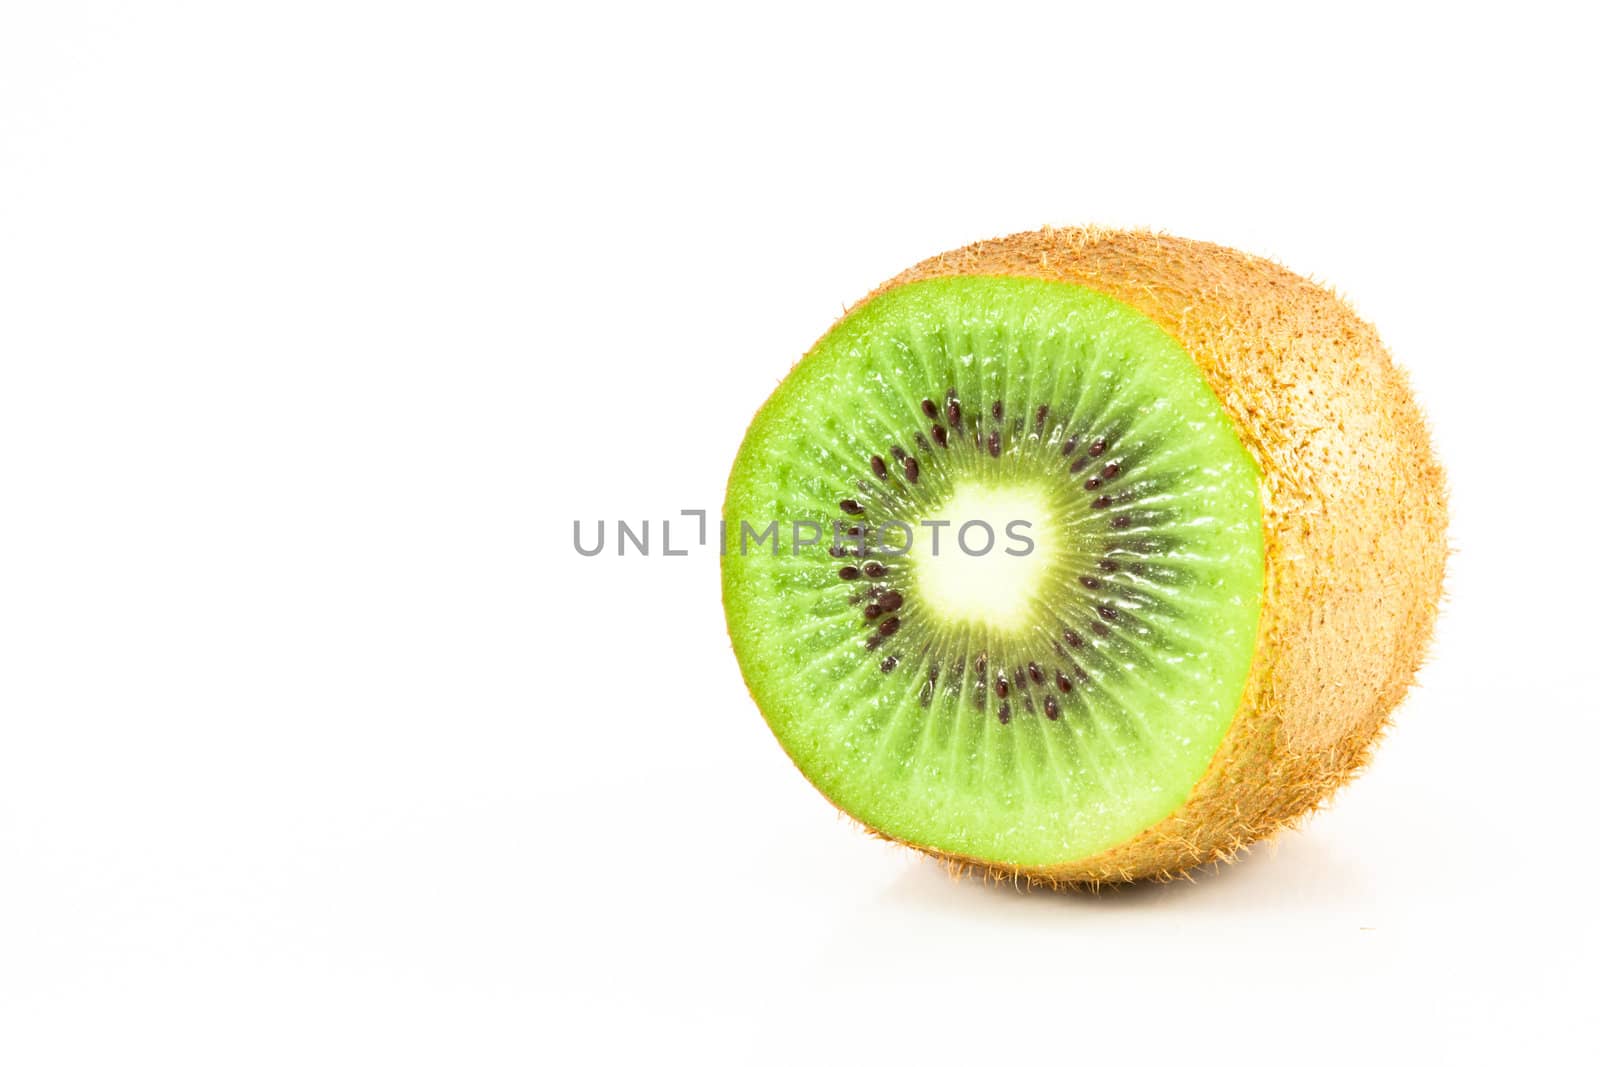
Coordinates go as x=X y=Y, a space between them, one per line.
x=1069 y=557
x=1033 y=622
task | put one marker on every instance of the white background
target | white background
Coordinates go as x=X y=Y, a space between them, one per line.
x=320 y=323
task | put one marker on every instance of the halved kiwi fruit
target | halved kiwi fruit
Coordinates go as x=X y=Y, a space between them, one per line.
x=1084 y=556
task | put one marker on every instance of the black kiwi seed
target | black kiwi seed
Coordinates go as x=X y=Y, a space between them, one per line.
x=898 y=453
x=1107 y=612
x=1001 y=686
x=911 y=469
x=875 y=570
x=1052 y=710
x=994 y=443
x=1111 y=470
x=873 y=611
x=1068 y=445
x=996 y=410
x=1089 y=582
x=922 y=444
x=891 y=601
x=850 y=507
x=1121 y=522
x=1098 y=447
x=880 y=468
x=952 y=411
x=1073 y=638
x=849 y=574
x=1063 y=683
x=888 y=664
x=1101 y=502
x=1093 y=484
x=1005 y=713
x=1039 y=416
x=1035 y=673
x=940 y=438
x=930 y=409
x=888 y=626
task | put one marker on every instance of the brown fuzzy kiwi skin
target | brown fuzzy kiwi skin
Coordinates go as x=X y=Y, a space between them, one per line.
x=1354 y=514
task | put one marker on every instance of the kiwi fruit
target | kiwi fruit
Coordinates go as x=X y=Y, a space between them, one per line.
x=1085 y=556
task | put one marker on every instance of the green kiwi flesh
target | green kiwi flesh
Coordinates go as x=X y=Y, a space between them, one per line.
x=1058 y=692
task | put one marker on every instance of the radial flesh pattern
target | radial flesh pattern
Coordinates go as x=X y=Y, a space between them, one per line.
x=1031 y=606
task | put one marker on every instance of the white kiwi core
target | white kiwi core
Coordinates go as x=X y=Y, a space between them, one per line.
x=983 y=555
